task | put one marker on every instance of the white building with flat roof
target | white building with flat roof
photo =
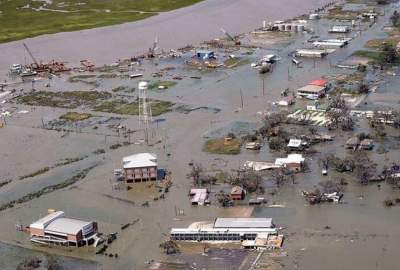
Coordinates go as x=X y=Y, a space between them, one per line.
x=225 y=229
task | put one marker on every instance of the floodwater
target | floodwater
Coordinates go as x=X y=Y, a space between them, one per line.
x=174 y=29
x=362 y=234
x=10 y=256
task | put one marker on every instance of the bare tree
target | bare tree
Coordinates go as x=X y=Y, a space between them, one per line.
x=195 y=174
x=339 y=114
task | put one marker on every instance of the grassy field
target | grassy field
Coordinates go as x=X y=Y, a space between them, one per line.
x=75 y=116
x=222 y=147
x=20 y=19
x=373 y=55
x=158 y=107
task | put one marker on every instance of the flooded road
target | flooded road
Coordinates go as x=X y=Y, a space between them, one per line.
x=174 y=29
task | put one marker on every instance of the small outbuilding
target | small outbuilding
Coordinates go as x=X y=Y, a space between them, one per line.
x=352 y=143
x=205 y=54
x=311 y=91
x=238 y=193
x=340 y=29
x=367 y=144
x=199 y=196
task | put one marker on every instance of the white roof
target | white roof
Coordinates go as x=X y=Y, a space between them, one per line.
x=292 y=158
x=260 y=165
x=223 y=230
x=67 y=225
x=340 y=27
x=44 y=221
x=199 y=195
x=310 y=51
x=243 y=223
x=312 y=88
x=294 y=143
x=140 y=160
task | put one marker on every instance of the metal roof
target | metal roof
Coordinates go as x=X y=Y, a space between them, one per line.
x=294 y=143
x=243 y=223
x=140 y=160
x=311 y=89
x=67 y=225
x=45 y=221
x=292 y=158
x=319 y=82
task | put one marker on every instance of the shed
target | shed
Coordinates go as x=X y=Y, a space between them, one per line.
x=199 y=196
x=287 y=101
x=311 y=91
x=339 y=29
x=367 y=144
x=353 y=142
x=312 y=53
x=295 y=144
x=205 y=54
x=237 y=193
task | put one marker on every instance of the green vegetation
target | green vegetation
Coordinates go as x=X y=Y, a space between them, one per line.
x=99 y=151
x=30 y=196
x=222 y=146
x=107 y=76
x=164 y=84
x=39 y=172
x=81 y=78
x=75 y=116
x=89 y=79
x=158 y=107
x=337 y=13
x=234 y=62
x=67 y=161
x=68 y=99
x=5 y=182
x=372 y=55
x=20 y=19
x=120 y=89
x=386 y=56
x=115 y=146
x=379 y=43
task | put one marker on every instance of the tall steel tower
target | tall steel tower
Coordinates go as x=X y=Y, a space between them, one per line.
x=145 y=115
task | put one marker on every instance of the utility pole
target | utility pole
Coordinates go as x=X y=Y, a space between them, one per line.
x=241 y=99
x=263 y=86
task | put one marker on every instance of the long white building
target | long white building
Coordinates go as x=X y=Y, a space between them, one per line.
x=225 y=229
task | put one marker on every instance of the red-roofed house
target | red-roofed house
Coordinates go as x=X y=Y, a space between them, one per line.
x=319 y=82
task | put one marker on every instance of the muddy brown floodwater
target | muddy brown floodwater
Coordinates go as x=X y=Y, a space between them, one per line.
x=358 y=234
x=174 y=29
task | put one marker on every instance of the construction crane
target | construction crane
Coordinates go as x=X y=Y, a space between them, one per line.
x=30 y=53
x=237 y=42
x=152 y=51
